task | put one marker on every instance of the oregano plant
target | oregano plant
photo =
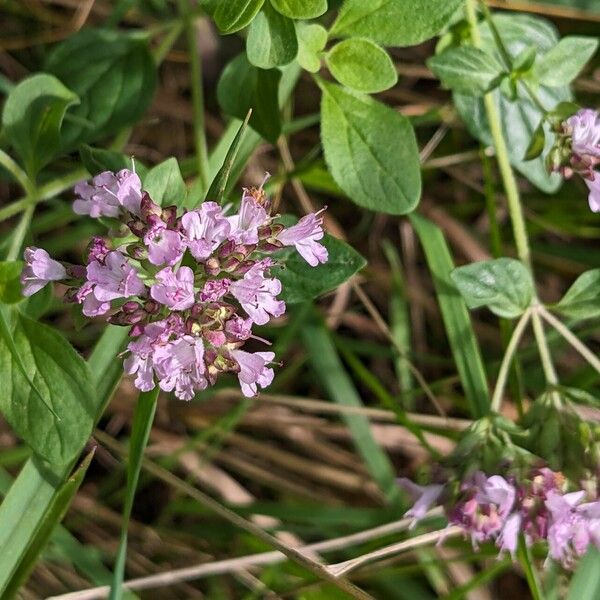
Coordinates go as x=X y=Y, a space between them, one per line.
x=326 y=267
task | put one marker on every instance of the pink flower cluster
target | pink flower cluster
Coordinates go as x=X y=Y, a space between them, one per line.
x=583 y=132
x=496 y=509
x=190 y=286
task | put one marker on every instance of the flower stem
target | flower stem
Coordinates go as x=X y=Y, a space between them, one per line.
x=572 y=339
x=544 y=350
x=20 y=233
x=507 y=360
x=15 y=170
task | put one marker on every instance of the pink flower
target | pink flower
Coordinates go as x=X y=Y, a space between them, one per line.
x=423 y=496
x=238 y=329
x=108 y=194
x=97 y=250
x=180 y=366
x=205 y=229
x=115 y=278
x=165 y=246
x=214 y=289
x=253 y=370
x=175 y=290
x=304 y=236
x=584 y=128
x=509 y=536
x=39 y=270
x=244 y=225
x=257 y=294
x=594 y=188
x=92 y=307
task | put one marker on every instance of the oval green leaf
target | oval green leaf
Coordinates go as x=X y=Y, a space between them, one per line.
x=311 y=41
x=114 y=75
x=63 y=379
x=301 y=282
x=165 y=184
x=362 y=65
x=370 y=150
x=300 y=9
x=394 y=22
x=582 y=300
x=233 y=15
x=32 y=119
x=504 y=285
x=10 y=284
x=271 y=40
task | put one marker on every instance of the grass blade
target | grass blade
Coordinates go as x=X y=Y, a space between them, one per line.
x=140 y=432
x=585 y=584
x=457 y=321
x=216 y=192
x=335 y=380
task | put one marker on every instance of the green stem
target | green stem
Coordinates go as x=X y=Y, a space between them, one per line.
x=572 y=339
x=507 y=360
x=15 y=170
x=528 y=567
x=19 y=234
x=197 y=95
x=544 y=350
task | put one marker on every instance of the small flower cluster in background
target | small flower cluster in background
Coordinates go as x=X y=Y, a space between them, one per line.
x=190 y=286
x=504 y=510
x=578 y=151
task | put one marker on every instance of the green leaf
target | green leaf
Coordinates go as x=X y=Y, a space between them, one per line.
x=140 y=432
x=233 y=15
x=457 y=321
x=311 y=41
x=216 y=192
x=56 y=511
x=585 y=584
x=114 y=74
x=519 y=119
x=582 y=300
x=466 y=70
x=504 y=285
x=564 y=61
x=394 y=22
x=10 y=284
x=302 y=282
x=27 y=506
x=371 y=151
x=524 y=60
x=32 y=119
x=63 y=379
x=165 y=184
x=271 y=39
x=243 y=87
x=537 y=143
x=300 y=9
x=96 y=160
x=362 y=65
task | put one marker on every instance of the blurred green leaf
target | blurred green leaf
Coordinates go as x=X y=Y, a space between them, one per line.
x=63 y=379
x=96 y=160
x=311 y=41
x=520 y=118
x=300 y=9
x=271 y=40
x=216 y=192
x=115 y=76
x=370 y=150
x=394 y=22
x=560 y=65
x=362 y=65
x=32 y=119
x=585 y=584
x=466 y=70
x=233 y=15
x=537 y=143
x=243 y=87
x=582 y=300
x=10 y=283
x=504 y=285
x=301 y=282
x=165 y=184
x=457 y=321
